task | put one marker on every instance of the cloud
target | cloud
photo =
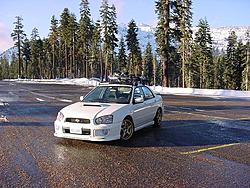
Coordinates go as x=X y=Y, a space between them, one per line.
x=6 y=41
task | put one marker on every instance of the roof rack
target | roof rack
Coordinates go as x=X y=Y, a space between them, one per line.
x=124 y=78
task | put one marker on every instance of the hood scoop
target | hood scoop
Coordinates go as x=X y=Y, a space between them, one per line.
x=95 y=105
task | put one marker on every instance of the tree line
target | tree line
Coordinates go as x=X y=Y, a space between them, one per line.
x=84 y=48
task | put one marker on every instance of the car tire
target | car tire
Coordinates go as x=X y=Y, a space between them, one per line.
x=127 y=129
x=158 y=118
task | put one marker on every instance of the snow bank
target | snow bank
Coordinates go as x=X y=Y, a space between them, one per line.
x=77 y=81
x=202 y=92
x=218 y=93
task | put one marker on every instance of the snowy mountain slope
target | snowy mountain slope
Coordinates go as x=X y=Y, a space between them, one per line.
x=145 y=35
x=220 y=35
x=8 y=53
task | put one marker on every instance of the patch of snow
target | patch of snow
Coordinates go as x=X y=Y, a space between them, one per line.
x=41 y=100
x=65 y=100
x=77 y=81
x=214 y=93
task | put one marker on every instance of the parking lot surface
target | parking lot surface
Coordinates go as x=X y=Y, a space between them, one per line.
x=203 y=142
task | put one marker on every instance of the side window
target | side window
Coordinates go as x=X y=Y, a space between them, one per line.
x=138 y=92
x=147 y=93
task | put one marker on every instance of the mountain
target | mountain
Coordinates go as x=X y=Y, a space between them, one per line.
x=8 y=53
x=145 y=35
x=219 y=35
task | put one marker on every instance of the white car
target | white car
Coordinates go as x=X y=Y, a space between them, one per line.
x=110 y=112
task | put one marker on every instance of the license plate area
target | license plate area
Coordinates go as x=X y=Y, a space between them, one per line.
x=75 y=130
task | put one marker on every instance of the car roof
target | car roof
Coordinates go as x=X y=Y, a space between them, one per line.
x=122 y=85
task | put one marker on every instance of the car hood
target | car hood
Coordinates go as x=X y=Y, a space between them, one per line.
x=90 y=110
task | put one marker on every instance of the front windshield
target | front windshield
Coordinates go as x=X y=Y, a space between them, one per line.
x=110 y=94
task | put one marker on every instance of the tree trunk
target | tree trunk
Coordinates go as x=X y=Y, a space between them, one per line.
x=86 y=64
x=101 y=65
x=166 y=13
x=73 y=59
x=66 y=60
x=53 y=61
x=19 y=56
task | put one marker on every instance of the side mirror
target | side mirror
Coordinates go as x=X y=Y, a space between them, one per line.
x=81 y=98
x=139 y=100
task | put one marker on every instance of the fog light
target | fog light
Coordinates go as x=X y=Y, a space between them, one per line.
x=102 y=132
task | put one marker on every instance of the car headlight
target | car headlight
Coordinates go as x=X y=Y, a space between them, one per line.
x=60 y=116
x=108 y=119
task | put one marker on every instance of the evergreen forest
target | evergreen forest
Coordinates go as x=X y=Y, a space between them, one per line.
x=76 y=48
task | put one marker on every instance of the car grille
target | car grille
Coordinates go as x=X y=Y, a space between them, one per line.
x=84 y=131
x=78 y=120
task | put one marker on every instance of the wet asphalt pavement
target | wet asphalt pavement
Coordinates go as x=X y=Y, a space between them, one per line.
x=203 y=142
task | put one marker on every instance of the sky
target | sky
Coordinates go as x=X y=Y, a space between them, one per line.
x=38 y=13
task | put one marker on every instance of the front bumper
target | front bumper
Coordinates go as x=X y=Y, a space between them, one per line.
x=90 y=132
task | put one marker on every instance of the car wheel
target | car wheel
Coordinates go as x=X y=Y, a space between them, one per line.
x=158 y=118
x=127 y=129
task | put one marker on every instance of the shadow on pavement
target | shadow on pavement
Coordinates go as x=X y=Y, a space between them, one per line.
x=189 y=133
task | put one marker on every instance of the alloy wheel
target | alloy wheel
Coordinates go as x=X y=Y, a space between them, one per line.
x=127 y=129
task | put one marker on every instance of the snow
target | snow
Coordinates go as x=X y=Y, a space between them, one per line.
x=214 y=93
x=77 y=81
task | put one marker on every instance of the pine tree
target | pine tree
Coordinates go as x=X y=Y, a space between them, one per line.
x=109 y=33
x=163 y=37
x=185 y=27
x=122 y=57
x=13 y=71
x=148 y=68
x=73 y=29
x=65 y=37
x=158 y=71
x=194 y=66
x=35 y=43
x=54 y=42
x=245 y=74
x=239 y=65
x=85 y=36
x=105 y=17
x=203 y=55
x=219 y=67
x=18 y=35
x=26 y=51
x=4 y=68
x=231 y=59
x=96 y=60
x=135 y=64
x=113 y=31
x=47 y=60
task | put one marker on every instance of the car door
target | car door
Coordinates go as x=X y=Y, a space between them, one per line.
x=139 y=110
x=149 y=103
